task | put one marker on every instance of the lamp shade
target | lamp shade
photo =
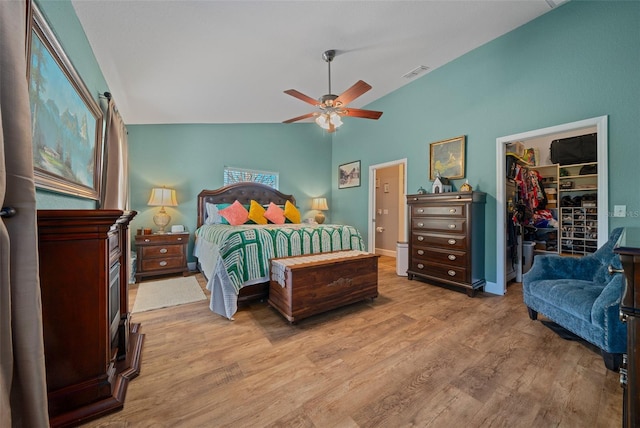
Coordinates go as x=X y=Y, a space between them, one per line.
x=163 y=197
x=319 y=204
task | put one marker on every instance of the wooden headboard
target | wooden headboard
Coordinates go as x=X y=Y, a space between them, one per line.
x=244 y=193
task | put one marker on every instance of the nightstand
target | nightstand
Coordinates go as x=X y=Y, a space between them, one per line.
x=161 y=254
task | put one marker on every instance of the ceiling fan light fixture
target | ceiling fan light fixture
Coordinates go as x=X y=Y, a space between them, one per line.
x=325 y=120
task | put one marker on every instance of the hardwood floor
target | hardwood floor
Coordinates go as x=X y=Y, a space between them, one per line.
x=418 y=355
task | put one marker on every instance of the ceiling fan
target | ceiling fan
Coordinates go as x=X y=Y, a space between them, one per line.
x=333 y=107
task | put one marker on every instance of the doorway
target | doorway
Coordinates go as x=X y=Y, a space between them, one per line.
x=600 y=124
x=387 y=207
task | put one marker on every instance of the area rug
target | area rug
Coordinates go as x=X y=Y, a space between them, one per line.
x=167 y=292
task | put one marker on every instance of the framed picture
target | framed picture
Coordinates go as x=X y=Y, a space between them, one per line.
x=447 y=158
x=349 y=175
x=66 y=119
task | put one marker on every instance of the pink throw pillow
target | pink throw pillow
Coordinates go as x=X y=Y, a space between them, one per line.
x=235 y=214
x=274 y=214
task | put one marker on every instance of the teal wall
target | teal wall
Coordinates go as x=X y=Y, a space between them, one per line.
x=64 y=23
x=576 y=62
x=190 y=158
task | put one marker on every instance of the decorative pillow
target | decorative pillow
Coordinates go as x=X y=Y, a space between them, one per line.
x=291 y=212
x=235 y=214
x=274 y=214
x=256 y=213
x=213 y=214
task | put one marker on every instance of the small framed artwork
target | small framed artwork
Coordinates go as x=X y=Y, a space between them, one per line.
x=66 y=119
x=349 y=175
x=447 y=158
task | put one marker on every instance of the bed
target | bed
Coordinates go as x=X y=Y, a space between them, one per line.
x=235 y=259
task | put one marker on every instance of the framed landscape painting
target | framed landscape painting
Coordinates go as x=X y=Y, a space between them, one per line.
x=66 y=121
x=447 y=158
x=349 y=175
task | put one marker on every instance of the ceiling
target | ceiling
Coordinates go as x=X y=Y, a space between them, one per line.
x=186 y=61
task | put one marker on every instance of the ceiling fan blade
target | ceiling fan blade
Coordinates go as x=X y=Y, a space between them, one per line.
x=359 y=88
x=295 y=119
x=303 y=97
x=365 y=114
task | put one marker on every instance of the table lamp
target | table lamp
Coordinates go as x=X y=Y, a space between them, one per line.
x=162 y=197
x=319 y=204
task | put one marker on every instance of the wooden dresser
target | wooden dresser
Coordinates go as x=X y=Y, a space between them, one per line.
x=161 y=254
x=628 y=247
x=446 y=239
x=91 y=349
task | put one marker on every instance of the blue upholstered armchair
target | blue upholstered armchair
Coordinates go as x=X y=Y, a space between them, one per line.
x=582 y=296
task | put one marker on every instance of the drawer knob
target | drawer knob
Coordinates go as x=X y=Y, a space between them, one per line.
x=451 y=257
x=420 y=210
x=452 y=210
x=179 y=239
x=420 y=238
x=163 y=250
x=458 y=197
x=420 y=266
x=420 y=224
x=451 y=272
x=452 y=241
x=420 y=252
x=452 y=226
x=163 y=263
x=147 y=240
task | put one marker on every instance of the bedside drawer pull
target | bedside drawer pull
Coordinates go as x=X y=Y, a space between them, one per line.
x=163 y=263
x=452 y=226
x=420 y=266
x=163 y=250
x=420 y=252
x=458 y=197
x=147 y=240
x=179 y=239
x=420 y=224
x=451 y=272
x=451 y=257
x=452 y=241
x=420 y=210
x=452 y=210
x=420 y=238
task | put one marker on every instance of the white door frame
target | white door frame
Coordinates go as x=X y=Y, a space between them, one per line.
x=371 y=241
x=601 y=124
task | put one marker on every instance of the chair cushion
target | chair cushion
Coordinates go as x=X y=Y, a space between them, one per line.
x=576 y=297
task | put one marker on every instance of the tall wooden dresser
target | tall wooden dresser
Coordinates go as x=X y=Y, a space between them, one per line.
x=91 y=349
x=446 y=242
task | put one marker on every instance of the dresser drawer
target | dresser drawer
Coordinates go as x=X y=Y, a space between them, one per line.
x=439 y=210
x=454 y=225
x=449 y=258
x=166 y=238
x=156 y=251
x=455 y=242
x=162 y=263
x=449 y=273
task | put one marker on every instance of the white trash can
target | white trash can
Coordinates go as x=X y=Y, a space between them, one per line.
x=402 y=258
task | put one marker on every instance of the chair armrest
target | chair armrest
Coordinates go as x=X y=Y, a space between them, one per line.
x=558 y=267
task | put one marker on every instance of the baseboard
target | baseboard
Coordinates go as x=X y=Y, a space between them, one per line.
x=192 y=266
x=383 y=252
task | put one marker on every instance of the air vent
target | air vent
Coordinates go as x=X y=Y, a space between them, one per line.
x=416 y=71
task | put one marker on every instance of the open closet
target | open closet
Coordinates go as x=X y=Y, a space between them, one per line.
x=552 y=195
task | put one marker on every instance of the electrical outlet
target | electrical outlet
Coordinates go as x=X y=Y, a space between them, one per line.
x=619 y=210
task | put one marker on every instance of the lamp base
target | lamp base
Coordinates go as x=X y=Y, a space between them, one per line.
x=161 y=220
x=319 y=218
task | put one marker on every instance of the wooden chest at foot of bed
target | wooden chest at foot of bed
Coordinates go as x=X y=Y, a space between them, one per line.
x=307 y=285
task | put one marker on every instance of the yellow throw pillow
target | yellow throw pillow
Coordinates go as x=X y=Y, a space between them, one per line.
x=291 y=212
x=256 y=213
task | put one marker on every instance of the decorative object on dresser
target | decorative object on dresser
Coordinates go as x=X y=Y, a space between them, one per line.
x=307 y=285
x=161 y=254
x=446 y=242
x=628 y=248
x=91 y=349
x=162 y=197
x=441 y=184
x=319 y=204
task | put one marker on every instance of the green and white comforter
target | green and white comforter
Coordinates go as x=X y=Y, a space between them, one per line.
x=243 y=253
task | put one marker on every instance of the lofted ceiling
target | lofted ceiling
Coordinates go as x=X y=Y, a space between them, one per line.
x=207 y=61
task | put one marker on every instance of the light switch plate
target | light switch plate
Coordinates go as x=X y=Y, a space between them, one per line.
x=619 y=210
